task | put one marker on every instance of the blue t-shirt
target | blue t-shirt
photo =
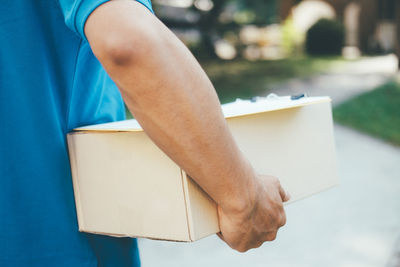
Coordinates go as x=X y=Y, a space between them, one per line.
x=50 y=83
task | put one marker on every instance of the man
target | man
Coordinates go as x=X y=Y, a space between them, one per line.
x=51 y=82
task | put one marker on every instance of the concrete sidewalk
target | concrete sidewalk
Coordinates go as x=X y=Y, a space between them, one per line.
x=355 y=224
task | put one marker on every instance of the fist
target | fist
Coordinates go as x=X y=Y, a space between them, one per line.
x=259 y=220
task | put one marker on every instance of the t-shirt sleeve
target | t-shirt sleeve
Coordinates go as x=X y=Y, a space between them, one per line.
x=76 y=12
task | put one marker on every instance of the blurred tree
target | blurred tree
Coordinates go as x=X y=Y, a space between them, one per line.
x=325 y=37
x=265 y=11
x=212 y=26
x=209 y=27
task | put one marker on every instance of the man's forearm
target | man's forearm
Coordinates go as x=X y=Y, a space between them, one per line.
x=171 y=97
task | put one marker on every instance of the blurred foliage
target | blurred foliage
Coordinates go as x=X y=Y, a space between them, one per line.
x=245 y=79
x=291 y=38
x=376 y=112
x=264 y=12
x=212 y=28
x=325 y=37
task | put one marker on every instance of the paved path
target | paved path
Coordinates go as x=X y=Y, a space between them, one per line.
x=356 y=224
x=344 y=81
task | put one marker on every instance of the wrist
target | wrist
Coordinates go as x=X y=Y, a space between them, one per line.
x=242 y=198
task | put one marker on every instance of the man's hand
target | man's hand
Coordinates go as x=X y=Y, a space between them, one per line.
x=251 y=227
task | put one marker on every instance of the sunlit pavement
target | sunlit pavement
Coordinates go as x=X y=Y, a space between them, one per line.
x=356 y=224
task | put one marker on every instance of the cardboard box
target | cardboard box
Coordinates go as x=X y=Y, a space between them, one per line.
x=126 y=186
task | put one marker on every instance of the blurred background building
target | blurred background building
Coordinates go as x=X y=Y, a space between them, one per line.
x=370 y=24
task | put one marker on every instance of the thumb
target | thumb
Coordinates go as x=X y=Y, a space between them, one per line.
x=284 y=195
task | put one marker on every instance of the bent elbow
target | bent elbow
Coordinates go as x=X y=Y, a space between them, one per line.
x=119 y=52
x=122 y=49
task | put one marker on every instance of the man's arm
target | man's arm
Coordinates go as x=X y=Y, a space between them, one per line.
x=176 y=104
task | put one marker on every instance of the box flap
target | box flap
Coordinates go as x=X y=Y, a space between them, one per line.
x=235 y=109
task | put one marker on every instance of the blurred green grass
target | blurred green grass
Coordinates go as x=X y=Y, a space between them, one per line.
x=376 y=113
x=245 y=79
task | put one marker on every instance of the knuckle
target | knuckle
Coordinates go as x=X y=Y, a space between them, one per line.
x=271 y=236
x=241 y=249
x=283 y=219
x=236 y=245
x=239 y=245
x=258 y=244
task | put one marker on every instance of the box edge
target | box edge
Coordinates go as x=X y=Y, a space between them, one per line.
x=189 y=217
x=74 y=174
